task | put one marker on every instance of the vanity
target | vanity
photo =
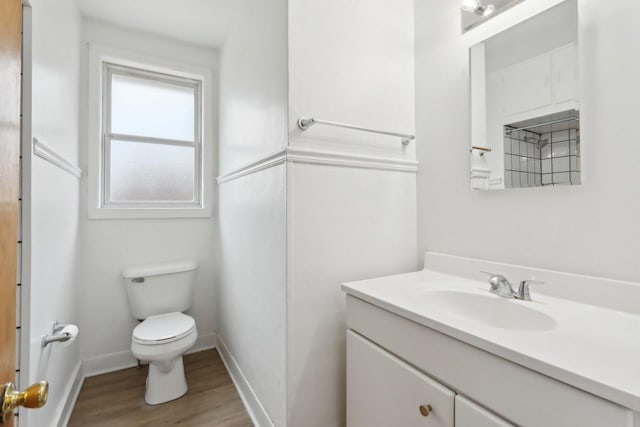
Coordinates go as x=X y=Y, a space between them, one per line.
x=434 y=348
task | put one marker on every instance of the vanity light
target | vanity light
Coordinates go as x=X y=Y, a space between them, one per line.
x=477 y=7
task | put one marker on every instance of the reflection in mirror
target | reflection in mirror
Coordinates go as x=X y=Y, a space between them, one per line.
x=476 y=12
x=525 y=121
x=542 y=151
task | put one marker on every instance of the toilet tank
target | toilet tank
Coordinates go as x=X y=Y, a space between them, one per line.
x=160 y=288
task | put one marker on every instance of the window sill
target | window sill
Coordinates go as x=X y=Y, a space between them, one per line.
x=148 y=213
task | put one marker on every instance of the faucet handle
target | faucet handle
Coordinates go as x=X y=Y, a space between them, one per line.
x=493 y=275
x=523 y=289
x=492 y=278
x=500 y=285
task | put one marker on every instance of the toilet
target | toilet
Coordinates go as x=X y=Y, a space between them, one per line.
x=158 y=296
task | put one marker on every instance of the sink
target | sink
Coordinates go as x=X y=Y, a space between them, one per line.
x=491 y=310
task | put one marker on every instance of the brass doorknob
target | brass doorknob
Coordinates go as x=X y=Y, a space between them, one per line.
x=34 y=396
x=425 y=410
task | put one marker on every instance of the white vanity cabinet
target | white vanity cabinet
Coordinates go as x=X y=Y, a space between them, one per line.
x=384 y=391
x=395 y=365
x=468 y=414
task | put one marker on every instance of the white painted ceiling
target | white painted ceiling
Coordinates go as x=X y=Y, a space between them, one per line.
x=201 y=22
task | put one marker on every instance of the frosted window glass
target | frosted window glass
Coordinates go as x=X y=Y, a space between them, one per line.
x=144 y=107
x=151 y=172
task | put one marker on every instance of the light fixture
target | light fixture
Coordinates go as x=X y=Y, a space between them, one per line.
x=477 y=7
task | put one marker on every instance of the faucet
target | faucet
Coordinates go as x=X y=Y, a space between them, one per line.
x=523 y=290
x=501 y=286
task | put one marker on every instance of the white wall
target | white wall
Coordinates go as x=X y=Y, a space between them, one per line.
x=53 y=291
x=253 y=89
x=349 y=62
x=584 y=229
x=252 y=297
x=253 y=124
x=352 y=62
x=345 y=224
x=110 y=245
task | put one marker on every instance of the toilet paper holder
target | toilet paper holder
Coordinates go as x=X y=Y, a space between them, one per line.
x=57 y=336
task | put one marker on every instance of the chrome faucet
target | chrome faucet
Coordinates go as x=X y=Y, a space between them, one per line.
x=501 y=286
x=523 y=289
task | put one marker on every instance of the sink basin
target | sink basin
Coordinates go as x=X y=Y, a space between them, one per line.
x=491 y=310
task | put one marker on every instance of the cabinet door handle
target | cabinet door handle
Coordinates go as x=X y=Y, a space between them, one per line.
x=425 y=410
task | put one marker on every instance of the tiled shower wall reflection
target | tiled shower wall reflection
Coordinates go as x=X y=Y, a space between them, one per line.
x=522 y=160
x=561 y=158
x=534 y=160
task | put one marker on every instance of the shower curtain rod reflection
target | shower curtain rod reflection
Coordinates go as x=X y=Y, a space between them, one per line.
x=552 y=122
x=306 y=123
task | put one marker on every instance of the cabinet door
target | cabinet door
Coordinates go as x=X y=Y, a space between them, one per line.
x=564 y=68
x=527 y=85
x=383 y=391
x=468 y=414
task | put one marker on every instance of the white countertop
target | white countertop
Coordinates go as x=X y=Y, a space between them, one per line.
x=591 y=348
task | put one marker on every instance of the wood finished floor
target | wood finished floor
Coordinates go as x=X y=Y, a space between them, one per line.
x=117 y=399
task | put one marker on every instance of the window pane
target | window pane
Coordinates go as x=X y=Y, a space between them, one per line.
x=146 y=107
x=151 y=172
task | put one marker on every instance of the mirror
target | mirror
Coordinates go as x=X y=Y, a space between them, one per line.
x=525 y=108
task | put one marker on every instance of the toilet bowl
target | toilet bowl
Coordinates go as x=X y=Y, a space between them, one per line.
x=162 y=340
x=158 y=296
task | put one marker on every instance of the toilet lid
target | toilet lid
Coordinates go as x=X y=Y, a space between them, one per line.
x=163 y=328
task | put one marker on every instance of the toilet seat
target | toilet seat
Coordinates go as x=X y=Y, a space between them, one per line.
x=163 y=328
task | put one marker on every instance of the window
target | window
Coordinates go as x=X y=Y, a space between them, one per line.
x=150 y=145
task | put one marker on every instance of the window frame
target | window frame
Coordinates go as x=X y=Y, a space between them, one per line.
x=102 y=62
x=108 y=70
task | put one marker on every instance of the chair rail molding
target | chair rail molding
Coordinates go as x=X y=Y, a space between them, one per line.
x=321 y=157
x=265 y=162
x=352 y=160
x=47 y=153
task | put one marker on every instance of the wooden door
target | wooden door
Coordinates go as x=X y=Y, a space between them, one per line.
x=10 y=78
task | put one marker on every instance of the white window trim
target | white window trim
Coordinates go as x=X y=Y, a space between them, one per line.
x=98 y=55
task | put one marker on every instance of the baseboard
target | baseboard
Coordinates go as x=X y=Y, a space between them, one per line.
x=106 y=363
x=204 y=342
x=71 y=396
x=251 y=402
x=117 y=361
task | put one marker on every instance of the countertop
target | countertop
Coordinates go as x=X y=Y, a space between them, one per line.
x=592 y=348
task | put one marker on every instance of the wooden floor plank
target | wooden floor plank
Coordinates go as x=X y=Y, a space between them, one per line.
x=117 y=399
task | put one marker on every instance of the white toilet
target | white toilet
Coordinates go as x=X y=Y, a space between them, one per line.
x=158 y=294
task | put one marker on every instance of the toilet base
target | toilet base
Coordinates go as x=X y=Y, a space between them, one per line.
x=165 y=383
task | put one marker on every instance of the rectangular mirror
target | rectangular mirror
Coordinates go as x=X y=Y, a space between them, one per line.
x=525 y=104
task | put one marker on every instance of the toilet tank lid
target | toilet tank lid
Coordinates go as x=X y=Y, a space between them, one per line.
x=158 y=269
